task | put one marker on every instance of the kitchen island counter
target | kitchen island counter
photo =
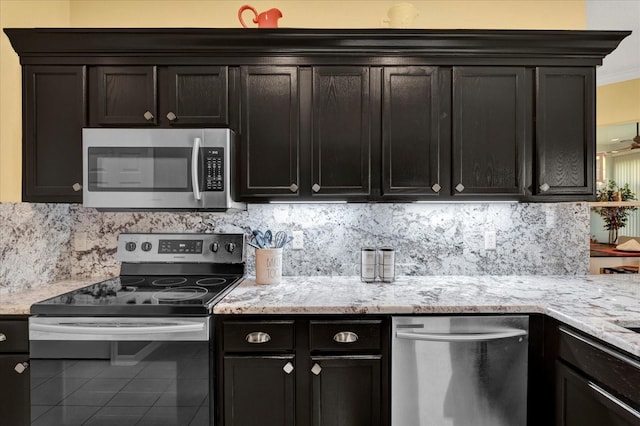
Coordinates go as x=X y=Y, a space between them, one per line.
x=596 y=305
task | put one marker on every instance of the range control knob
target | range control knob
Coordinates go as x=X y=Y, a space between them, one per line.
x=231 y=247
x=146 y=246
x=130 y=246
x=214 y=247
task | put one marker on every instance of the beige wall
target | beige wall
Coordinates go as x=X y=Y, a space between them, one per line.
x=488 y=14
x=618 y=103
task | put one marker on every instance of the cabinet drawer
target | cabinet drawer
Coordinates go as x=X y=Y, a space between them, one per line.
x=611 y=368
x=258 y=336
x=345 y=335
x=14 y=336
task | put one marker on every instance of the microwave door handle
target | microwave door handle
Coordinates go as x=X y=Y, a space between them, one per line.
x=197 y=143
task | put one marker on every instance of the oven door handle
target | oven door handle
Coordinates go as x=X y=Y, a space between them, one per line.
x=197 y=143
x=123 y=329
x=463 y=337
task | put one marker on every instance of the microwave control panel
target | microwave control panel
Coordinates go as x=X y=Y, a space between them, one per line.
x=214 y=169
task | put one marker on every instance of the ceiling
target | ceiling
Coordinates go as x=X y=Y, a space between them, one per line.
x=624 y=63
x=612 y=138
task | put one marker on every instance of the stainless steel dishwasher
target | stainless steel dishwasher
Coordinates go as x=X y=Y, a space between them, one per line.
x=459 y=371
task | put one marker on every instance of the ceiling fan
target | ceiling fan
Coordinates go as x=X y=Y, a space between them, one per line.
x=635 y=142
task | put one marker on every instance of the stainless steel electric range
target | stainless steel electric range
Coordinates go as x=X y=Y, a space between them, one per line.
x=137 y=348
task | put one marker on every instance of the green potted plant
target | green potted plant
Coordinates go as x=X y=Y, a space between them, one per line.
x=615 y=217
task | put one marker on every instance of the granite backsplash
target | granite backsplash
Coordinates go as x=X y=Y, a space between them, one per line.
x=42 y=243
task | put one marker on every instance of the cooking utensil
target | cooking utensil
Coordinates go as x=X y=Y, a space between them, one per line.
x=282 y=239
x=268 y=237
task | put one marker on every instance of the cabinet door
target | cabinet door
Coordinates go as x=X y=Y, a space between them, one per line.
x=259 y=390
x=125 y=96
x=341 y=133
x=412 y=142
x=196 y=95
x=54 y=113
x=581 y=402
x=489 y=130
x=269 y=139
x=14 y=392
x=346 y=391
x=565 y=132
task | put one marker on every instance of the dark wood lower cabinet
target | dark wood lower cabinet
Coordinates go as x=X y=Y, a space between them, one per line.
x=582 y=402
x=14 y=391
x=345 y=391
x=286 y=371
x=14 y=371
x=595 y=384
x=259 y=390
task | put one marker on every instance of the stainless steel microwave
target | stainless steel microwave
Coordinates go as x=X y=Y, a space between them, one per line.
x=159 y=169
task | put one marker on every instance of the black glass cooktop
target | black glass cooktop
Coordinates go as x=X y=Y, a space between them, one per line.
x=142 y=295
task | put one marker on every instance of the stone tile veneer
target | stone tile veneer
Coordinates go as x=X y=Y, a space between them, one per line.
x=41 y=243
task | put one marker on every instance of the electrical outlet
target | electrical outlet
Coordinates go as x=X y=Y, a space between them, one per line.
x=80 y=241
x=298 y=240
x=490 y=240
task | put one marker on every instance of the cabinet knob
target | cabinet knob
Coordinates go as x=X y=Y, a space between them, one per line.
x=171 y=116
x=76 y=187
x=345 y=337
x=21 y=367
x=544 y=187
x=315 y=187
x=436 y=188
x=2 y=337
x=288 y=368
x=316 y=369
x=293 y=187
x=257 y=337
x=459 y=187
x=148 y=116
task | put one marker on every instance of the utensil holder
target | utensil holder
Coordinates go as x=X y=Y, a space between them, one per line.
x=268 y=265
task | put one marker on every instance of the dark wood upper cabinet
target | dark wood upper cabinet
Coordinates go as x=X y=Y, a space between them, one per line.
x=125 y=96
x=353 y=115
x=54 y=112
x=414 y=143
x=489 y=130
x=341 y=135
x=269 y=139
x=194 y=96
x=160 y=96
x=565 y=132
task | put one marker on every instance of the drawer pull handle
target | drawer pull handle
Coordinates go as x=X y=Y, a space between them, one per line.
x=2 y=337
x=345 y=337
x=257 y=337
x=288 y=368
x=21 y=367
x=316 y=369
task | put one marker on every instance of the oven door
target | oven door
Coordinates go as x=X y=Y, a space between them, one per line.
x=120 y=371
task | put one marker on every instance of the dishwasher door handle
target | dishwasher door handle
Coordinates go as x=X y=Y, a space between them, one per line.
x=463 y=337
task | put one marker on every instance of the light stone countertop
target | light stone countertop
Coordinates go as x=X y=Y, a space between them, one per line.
x=595 y=304
x=19 y=302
